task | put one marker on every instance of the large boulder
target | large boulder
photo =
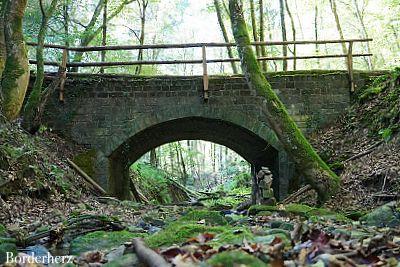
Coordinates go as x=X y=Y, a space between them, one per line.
x=383 y=216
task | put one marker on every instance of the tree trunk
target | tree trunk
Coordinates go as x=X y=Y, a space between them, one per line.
x=91 y=31
x=364 y=31
x=143 y=6
x=316 y=32
x=104 y=37
x=3 y=54
x=338 y=26
x=284 y=38
x=293 y=33
x=307 y=161
x=15 y=78
x=66 y=24
x=31 y=106
x=153 y=158
x=254 y=26
x=262 y=35
x=221 y=23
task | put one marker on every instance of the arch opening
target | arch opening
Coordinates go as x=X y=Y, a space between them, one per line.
x=251 y=147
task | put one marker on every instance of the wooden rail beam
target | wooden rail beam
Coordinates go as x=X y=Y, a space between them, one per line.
x=193 y=45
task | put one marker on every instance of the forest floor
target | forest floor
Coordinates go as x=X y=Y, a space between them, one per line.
x=47 y=207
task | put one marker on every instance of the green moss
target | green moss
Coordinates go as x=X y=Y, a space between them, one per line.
x=179 y=232
x=298 y=209
x=3 y=230
x=235 y=258
x=232 y=236
x=210 y=217
x=256 y=209
x=176 y=233
x=7 y=247
x=101 y=240
x=86 y=161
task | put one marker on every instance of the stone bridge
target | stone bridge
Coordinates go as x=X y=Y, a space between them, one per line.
x=120 y=118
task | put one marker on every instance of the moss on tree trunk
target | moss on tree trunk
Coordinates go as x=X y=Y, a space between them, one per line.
x=315 y=170
x=31 y=107
x=15 y=78
x=2 y=41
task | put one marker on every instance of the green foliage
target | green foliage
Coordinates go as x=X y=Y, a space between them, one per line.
x=235 y=258
x=152 y=182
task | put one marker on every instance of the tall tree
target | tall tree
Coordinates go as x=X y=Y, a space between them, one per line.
x=293 y=33
x=338 y=25
x=3 y=54
x=15 y=76
x=30 y=109
x=254 y=26
x=92 y=29
x=104 y=35
x=262 y=34
x=316 y=30
x=284 y=38
x=142 y=4
x=307 y=161
x=218 y=9
x=360 y=16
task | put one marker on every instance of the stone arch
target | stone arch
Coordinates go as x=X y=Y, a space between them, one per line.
x=244 y=132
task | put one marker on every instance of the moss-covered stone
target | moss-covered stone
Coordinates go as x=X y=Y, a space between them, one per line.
x=7 y=247
x=101 y=240
x=385 y=215
x=125 y=261
x=210 y=217
x=86 y=161
x=256 y=209
x=235 y=258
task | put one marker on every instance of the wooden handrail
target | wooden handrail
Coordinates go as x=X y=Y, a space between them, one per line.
x=204 y=61
x=192 y=45
x=171 y=62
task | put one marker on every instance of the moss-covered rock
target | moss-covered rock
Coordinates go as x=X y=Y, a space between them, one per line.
x=210 y=217
x=101 y=240
x=125 y=261
x=235 y=258
x=385 y=215
x=6 y=244
x=176 y=233
x=256 y=209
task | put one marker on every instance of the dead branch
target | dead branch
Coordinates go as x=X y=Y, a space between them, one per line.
x=369 y=150
x=296 y=194
x=87 y=177
x=147 y=255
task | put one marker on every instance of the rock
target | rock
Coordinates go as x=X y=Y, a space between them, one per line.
x=6 y=244
x=127 y=260
x=282 y=225
x=100 y=241
x=383 y=216
x=115 y=253
x=235 y=258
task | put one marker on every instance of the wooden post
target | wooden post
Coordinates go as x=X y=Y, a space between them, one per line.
x=350 y=66
x=63 y=74
x=205 y=73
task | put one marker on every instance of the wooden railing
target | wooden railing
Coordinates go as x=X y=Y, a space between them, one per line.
x=204 y=61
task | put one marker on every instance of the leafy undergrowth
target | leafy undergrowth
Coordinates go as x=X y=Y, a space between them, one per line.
x=371 y=124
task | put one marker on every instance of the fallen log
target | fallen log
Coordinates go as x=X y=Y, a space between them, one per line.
x=367 y=151
x=87 y=177
x=296 y=194
x=148 y=256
